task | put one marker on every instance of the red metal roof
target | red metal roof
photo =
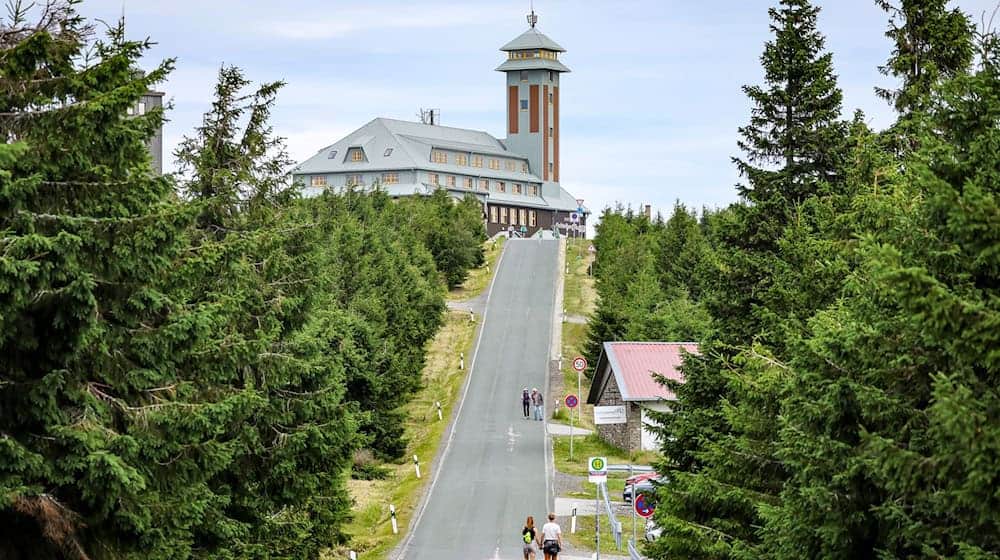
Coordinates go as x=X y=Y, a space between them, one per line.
x=635 y=363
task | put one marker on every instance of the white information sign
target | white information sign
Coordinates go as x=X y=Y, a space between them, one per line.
x=598 y=469
x=609 y=414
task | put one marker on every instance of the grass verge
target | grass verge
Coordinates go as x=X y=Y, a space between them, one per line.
x=585 y=536
x=479 y=278
x=370 y=529
x=579 y=295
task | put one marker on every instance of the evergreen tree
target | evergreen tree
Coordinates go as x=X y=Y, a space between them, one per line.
x=931 y=43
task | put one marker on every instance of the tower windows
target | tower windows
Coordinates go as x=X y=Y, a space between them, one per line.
x=524 y=75
x=550 y=99
x=552 y=168
x=524 y=104
x=550 y=129
x=552 y=76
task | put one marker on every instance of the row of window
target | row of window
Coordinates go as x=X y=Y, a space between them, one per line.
x=354 y=180
x=521 y=55
x=524 y=107
x=524 y=76
x=440 y=156
x=518 y=216
x=357 y=154
x=482 y=184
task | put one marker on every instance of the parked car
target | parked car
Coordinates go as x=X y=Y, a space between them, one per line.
x=653 y=530
x=644 y=487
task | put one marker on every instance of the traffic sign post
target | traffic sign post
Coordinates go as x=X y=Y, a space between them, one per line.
x=579 y=364
x=571 y=402
x=597 y=467
x=642 y=507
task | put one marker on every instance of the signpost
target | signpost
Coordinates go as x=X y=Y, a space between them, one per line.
x=579 y=364
x=598 y=470
x=571 y=402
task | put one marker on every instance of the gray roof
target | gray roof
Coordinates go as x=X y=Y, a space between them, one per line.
x=411 y=144
x=532 y=64
x=532 y=39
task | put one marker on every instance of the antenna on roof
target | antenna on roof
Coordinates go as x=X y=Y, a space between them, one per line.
x=430 y=116
x=532 y=18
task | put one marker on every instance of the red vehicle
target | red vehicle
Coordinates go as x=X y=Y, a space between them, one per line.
x=637 y=478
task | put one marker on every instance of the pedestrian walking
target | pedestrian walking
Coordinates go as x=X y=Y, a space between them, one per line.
x=525 y=401
x=528 y=536
x=551 y=538
x=539 y=403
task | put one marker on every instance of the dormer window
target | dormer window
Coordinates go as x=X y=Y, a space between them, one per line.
x=387 y=153
x=332 y=154
x=524 y=167
x=357 y=155
x=438 y=156
x=477 y=161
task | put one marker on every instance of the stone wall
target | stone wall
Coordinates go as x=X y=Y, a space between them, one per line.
x=624 y=436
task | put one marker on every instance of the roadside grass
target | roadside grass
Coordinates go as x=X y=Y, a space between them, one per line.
x=579 y=294
x=593 y=446
x=479 y=278
x=585 y=536
x=370 y=530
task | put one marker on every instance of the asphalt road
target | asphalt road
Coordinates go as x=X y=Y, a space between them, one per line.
x=494 y=472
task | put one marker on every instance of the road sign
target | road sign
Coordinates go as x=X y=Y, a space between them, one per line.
x=579 y=363
x=572 y=400
x=574 y=217
x=609 y=414
x=598 y=468
x=642 y=506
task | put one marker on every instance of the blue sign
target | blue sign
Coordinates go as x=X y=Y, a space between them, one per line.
x=642 y=506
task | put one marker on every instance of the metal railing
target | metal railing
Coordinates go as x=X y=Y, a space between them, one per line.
x=632 y=552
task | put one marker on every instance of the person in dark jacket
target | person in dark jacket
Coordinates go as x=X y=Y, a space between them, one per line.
x=526 y=402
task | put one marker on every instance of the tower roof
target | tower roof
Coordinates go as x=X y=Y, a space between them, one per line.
x=532 y=39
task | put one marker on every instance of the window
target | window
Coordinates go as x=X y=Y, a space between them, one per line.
x=387 y=152
x=477 y=161
x=357 y=155
x=508 y=165
x=332 y=154
x=354 y=180
x=503 y=215
x=390 y=178
x=433 y=178
x=532 y=220
x=450 y=180
x=493 y=214
x=467 y=182
x=524 y=167
x=513 y=216
x=524 y=104
x=484 y=184
x=501 y=186
x=437 y=156
x=142 y=108
x=524 y=217
x=317 y=181
x=550 y=132
x=517 y=188
x=494 y=164
x=552 y=168
x=550 y=98
x=552 y=76
x=524 y=75
x=461 y=159
x=533 y=189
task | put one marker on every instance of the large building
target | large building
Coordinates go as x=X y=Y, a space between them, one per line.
x=516 y=179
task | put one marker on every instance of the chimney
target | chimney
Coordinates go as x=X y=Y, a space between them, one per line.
x=648 y=211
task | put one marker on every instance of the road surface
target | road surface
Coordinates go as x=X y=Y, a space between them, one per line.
x=494 y=471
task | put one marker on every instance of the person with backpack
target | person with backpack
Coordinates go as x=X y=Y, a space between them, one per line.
x=551 y=538
x=528 y=537
x=525 y=402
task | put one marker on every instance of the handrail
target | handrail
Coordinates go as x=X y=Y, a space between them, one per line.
x=616 y=526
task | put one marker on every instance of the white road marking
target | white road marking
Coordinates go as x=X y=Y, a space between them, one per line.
x=512 y=438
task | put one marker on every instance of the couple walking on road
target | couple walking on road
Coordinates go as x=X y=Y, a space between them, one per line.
x=535 y=401
x=549 y=540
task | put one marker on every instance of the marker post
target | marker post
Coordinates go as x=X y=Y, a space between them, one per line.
x=440 y=416
x=572 y=523
x=416 y=465
x=392 y=517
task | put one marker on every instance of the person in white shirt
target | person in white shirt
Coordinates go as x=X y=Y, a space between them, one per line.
x=551 y=538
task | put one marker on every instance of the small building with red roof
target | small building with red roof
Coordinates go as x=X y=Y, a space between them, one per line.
x=626 y=377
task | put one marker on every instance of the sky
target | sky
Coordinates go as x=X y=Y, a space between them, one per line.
x=649 y=113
